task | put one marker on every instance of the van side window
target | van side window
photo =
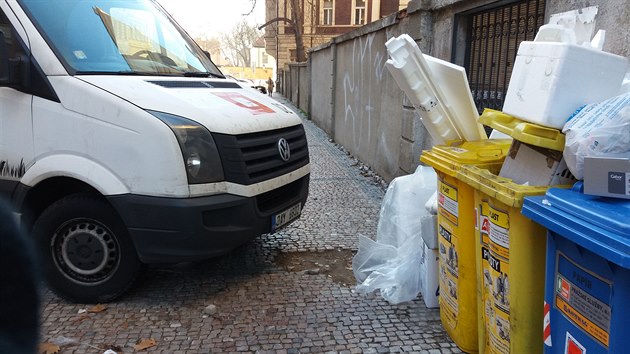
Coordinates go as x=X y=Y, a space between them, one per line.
x=31 y=77
x=11 y=53
x=12 y=44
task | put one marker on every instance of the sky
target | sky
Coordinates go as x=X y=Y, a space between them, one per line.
x=209 y=18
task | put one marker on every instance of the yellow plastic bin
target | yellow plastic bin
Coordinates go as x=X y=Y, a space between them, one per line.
x=530 y=133
x=510 y=263
x=510 y=248
x=456 y=230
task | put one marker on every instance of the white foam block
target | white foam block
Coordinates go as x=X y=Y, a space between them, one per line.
x=438 y=90
x=550 y=81
x=429 y=230
x=429 y=273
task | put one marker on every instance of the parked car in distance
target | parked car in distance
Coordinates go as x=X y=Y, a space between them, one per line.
x=260 y=88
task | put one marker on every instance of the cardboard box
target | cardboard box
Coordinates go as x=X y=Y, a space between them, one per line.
x=607 y=176
x=430 y=288
x=535 y=166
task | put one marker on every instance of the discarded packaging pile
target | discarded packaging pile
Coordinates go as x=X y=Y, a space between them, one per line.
x=567 y=118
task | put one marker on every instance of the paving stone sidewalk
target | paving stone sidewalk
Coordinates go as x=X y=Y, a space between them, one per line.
x=289 y=292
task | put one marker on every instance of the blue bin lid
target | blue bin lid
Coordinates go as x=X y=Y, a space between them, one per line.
x=600 y=224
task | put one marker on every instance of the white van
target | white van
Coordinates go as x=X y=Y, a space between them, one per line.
x=121 y=143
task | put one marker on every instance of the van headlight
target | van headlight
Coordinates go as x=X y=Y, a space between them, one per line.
x=201 y=157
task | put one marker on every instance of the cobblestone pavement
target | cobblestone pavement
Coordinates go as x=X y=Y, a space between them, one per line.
x=277 y=294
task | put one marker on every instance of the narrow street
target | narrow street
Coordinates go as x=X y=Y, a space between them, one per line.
x=290 y=292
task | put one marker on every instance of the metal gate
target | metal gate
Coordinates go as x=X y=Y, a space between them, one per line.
x=493 y=39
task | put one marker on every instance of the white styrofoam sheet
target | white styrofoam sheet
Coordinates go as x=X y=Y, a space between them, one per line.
x=455 y=94
x=438 y=89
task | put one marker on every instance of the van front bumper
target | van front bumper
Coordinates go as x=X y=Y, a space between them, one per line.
x=166 y=230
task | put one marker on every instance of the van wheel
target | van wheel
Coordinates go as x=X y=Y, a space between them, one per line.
x=85 y=249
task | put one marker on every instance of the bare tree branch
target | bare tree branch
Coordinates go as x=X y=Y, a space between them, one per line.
x=238 y=42
x=297 y=23
x=277 y=19
x=253 y=2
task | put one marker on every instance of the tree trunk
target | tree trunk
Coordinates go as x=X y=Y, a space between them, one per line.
x=297 y=24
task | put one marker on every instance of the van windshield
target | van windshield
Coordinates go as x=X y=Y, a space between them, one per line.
x=120 y=36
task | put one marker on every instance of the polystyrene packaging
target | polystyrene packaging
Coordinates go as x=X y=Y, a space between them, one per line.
x=437 y=89
x=553 y=76
x=392 y=263
x=600 y=129
x=429 y=223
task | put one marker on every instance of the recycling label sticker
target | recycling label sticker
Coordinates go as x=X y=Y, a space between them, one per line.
x=583 y=298
x=572 y=346
x=448 y=272
x=448 y=204
x=448 y=243
x=495 y=264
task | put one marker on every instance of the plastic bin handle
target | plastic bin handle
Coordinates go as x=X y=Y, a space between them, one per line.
x=543 y=136
x=578 y=187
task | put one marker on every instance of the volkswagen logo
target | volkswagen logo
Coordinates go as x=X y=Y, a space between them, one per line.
x=284 y=150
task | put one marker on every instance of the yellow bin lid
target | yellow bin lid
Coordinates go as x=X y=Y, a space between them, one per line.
x=500 y=188
x=449 y=159
x=528 y=133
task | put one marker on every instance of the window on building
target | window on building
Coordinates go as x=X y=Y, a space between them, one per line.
x=327 y=12
x=265 y=59
x=359 y=12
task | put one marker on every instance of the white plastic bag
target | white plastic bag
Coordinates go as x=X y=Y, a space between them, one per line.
x=392 y=263
x=598 y=129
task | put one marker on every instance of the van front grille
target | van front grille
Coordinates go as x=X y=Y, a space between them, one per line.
x=255 y=157
x=282 y=197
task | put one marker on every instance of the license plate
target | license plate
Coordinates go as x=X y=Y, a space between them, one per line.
x=285 y=217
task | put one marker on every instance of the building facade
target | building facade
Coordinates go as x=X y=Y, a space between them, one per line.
x=319 y=21
x=262 y=60
x=348 y=92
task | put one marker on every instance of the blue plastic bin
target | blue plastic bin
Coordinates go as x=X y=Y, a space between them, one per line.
x=587 y=277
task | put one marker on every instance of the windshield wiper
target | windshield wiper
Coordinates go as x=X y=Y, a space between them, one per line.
x=201 y=74
x=196 y=74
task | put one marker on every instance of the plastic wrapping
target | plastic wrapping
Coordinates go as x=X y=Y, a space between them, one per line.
x=392 y=263
x=599 y=129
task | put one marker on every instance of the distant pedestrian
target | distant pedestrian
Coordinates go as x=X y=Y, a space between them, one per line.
x=270 y=87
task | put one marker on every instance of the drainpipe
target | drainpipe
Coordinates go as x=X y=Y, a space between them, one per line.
x=309 y=70
x=333 y=89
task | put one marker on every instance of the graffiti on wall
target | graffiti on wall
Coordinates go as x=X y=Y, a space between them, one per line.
x=362 y=93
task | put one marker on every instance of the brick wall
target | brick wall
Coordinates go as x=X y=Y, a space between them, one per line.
x=388 y=7
x=343 y=12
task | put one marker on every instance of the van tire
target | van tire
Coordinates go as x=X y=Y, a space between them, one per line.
x=85 y=249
